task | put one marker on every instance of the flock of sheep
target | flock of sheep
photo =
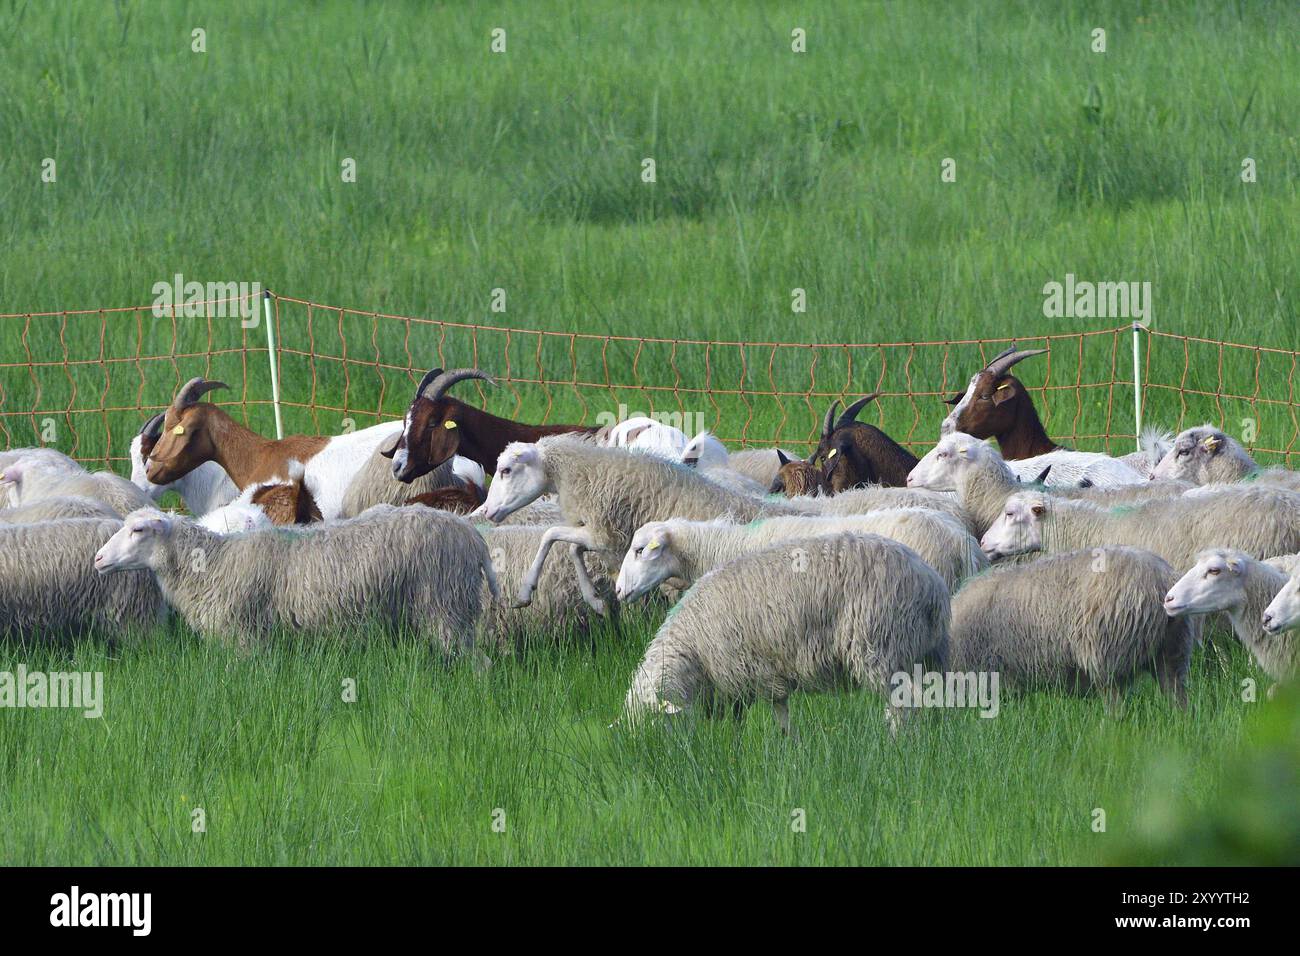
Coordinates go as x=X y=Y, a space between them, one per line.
x=1045 y=565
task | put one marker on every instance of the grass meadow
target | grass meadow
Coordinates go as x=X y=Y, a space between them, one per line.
x=522 y=171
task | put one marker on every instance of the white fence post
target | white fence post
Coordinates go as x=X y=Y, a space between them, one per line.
x=1137 y=384
x=271 y=357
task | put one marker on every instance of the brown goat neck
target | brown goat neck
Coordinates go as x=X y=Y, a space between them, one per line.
x=484 y=436
x=248 y=458
x=1026 y=438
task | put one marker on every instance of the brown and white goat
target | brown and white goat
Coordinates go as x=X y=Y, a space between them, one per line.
x=852 y=453
x=438 y=426
x=195 y=432
x=996 y=405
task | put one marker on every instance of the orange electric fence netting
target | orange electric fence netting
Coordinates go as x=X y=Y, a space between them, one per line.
x=84 y=381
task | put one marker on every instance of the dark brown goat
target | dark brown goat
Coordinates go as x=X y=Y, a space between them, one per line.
x=438 y=426
x=797 y=477
x=996 y=405
x=852 y=453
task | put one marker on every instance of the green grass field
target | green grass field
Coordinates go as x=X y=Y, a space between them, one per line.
x=522 y=171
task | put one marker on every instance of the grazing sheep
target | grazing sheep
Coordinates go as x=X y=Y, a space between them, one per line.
x=391 y=566
x=1259 y=521
x=46 y=455
x=204 y=489
x=605 y=494
x=1286 y=563
x=50 y=509
x=559 y=605
x=29 y=480
x=811 y=614
x=687 y=550
x=983 y=480
x=1252 y=593
x=50 y=591
x=1082 y=620
x=1208 y=456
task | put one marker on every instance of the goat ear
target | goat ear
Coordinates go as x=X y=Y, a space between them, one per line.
x=782 y=458
x=389 y=447
x=1003 y=392
x=954 y=400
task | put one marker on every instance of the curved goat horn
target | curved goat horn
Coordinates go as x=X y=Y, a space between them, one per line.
x=153 y=427
x=193 y=390
x=851 y=413
x=436 y=388
x=425 y=382
x=1002 y=363
x=828 y=425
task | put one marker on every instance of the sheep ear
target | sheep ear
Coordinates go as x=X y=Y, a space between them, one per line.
x=1212 y=444
x=1038 y=510
x=633 y=434
x=668 y=707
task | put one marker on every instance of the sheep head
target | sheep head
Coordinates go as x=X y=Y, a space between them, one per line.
x=185 y=440
x=1203 y=455
x=944 y=464
x=433 y=430
x=520 y=479
x=134 y=546
x=1283 y=613
x=796 y=477
x=993 y=401
x=1216 y=582
x=1019 y=529
x=650 y=560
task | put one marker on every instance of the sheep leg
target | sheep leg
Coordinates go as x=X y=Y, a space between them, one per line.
x=781 y=711
x=584 y=579
x=553 y=535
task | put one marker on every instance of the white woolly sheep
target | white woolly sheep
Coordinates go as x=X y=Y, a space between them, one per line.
x=685 y=551
x=1206 y=455
x=811 y=614
x=983 y=480
x=51 y=509
x=49 y=590
x=605 y=494
x=29 y=480
x=1259 y=521
x=1251 y=593
x=49 y=456
x=390 y=566
x=648 y=436
x=1080 y=620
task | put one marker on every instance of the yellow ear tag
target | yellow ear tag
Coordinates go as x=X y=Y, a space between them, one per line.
x=963 y=452
x=178 y=430
x=653 y=545
x=1211 y=443
x=449 y=425
x=1002 y=386
x=832 y=454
